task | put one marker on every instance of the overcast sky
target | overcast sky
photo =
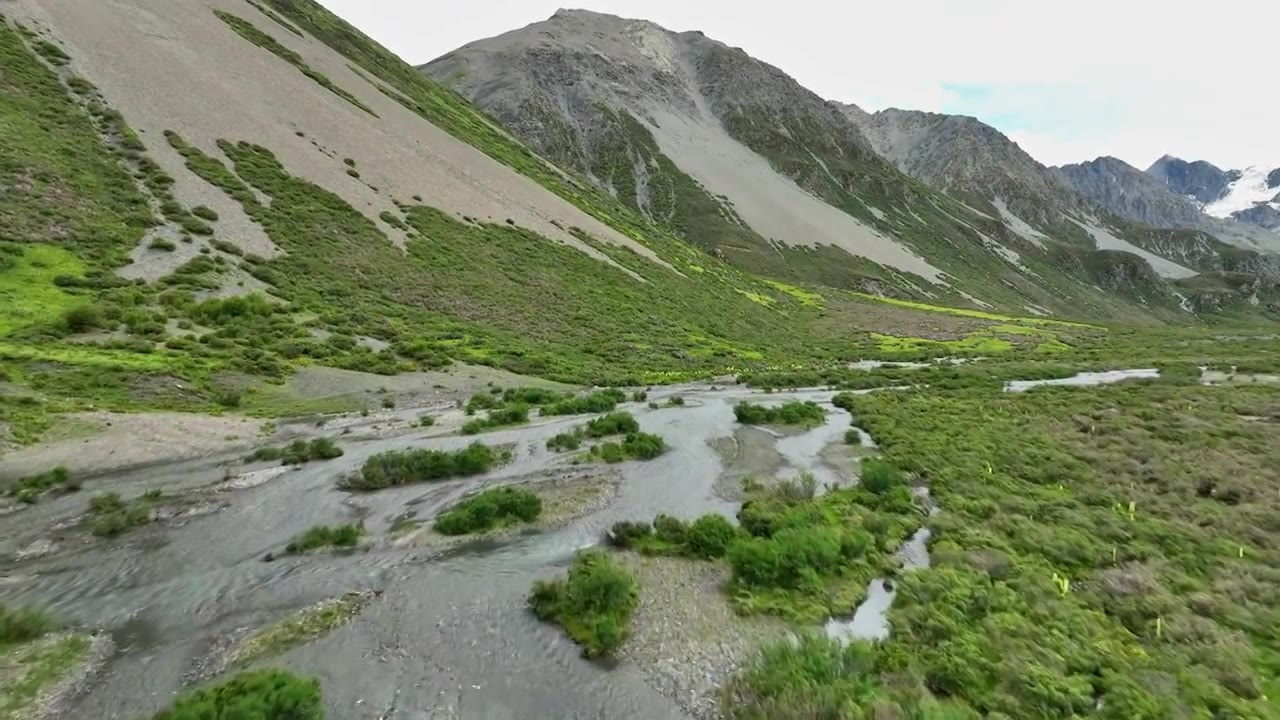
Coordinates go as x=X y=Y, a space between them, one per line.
x=1069 y=81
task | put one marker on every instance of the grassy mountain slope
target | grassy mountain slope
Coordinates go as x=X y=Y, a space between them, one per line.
x=160 y=254
x=665 y=121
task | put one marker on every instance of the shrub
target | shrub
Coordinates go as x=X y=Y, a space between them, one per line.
x=82 y=318
x=566 y=441
x=298 y=452
x=253 y=695
x=675 y=401
x=29 y=489
x=710 y=536
x=426 y=421
x=628 y=534
x=878 y=476
x=601 y=401
x=786 y=559
x=204 y=213
x=670 y=529
x=790 y=413
x=812 y=677
x=163 y=244
x=112 y=516
x=490 y=509
x=594 y=604
x=852 y=437
x=322 y=536
x=615 y=423
x=404 y=467
x=636 y=445
x=18 y=625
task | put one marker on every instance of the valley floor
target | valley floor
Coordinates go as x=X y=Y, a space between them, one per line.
x=1150 y=496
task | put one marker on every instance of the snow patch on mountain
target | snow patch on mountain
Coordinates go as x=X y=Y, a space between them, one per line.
x=1242 y=194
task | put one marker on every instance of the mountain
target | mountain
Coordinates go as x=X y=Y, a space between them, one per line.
x=1251 y=195
x=963 y=156
x=1199 y=180
x=1153 y=198
x=741 y=161
x=1130 y=193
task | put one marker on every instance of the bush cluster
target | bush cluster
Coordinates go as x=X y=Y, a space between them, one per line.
x=254 y=695
x=29 y=489
x=111 y=515
x=594 y=604
x=23 y=624
x=490 y=509
x=635 y=446
x=601 y=401
x=615 y=423
x=298 y=452
x=323 y=536
x=566 y=441
x=790 y=413
x=405 y=467
x=498 y=417
x=708 y=537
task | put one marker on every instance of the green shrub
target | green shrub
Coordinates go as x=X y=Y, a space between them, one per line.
x=594 y=604
x=23 y=624
x=299 y=452
x=489 y=509
x=565 y=441
x=29 y=489
x=253 y=695
x=852 y=437
x=879 y=476
x=813 y=677
x=204 y=213
x=163 y=244
x=710 y=536
x=404 y=467
x=790 y=413
x=639 y=396
x=628 y=535
x=670 y=529
x=426 y=421
x=789 y=559
x=675 y=401
x=601 y=401
x=112 y=516
x=82 y=318
x=323 y=536
x=636 y=445
x=615 y=423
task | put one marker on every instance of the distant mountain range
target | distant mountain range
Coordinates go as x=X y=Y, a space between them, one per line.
x=744 y=162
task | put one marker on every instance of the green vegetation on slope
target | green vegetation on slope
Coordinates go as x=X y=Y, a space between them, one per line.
x=250 y=32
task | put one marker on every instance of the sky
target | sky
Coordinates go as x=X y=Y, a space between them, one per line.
x=1068 y=81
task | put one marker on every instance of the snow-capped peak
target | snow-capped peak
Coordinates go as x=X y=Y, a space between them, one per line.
x=1242 y=194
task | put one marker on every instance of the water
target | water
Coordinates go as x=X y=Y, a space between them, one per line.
x=447 y=635
x=1084 y=379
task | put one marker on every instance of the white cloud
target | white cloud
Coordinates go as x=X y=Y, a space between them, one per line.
x=1190 y=79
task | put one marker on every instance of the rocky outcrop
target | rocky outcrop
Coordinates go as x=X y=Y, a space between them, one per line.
x=1200 y=180
x=1126 y=191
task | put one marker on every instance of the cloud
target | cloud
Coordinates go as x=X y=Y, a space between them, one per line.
x=1130 y=78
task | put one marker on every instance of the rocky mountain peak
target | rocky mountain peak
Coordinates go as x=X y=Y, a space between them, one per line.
x=1201 y=180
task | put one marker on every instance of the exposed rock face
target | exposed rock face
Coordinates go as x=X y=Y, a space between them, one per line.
x=957 y=153
x=1273 y=181
x=1200 y=180
x=1124 y=190
x=1265 y=215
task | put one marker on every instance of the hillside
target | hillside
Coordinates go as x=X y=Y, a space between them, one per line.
x=681 y=126
x=327 y=393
